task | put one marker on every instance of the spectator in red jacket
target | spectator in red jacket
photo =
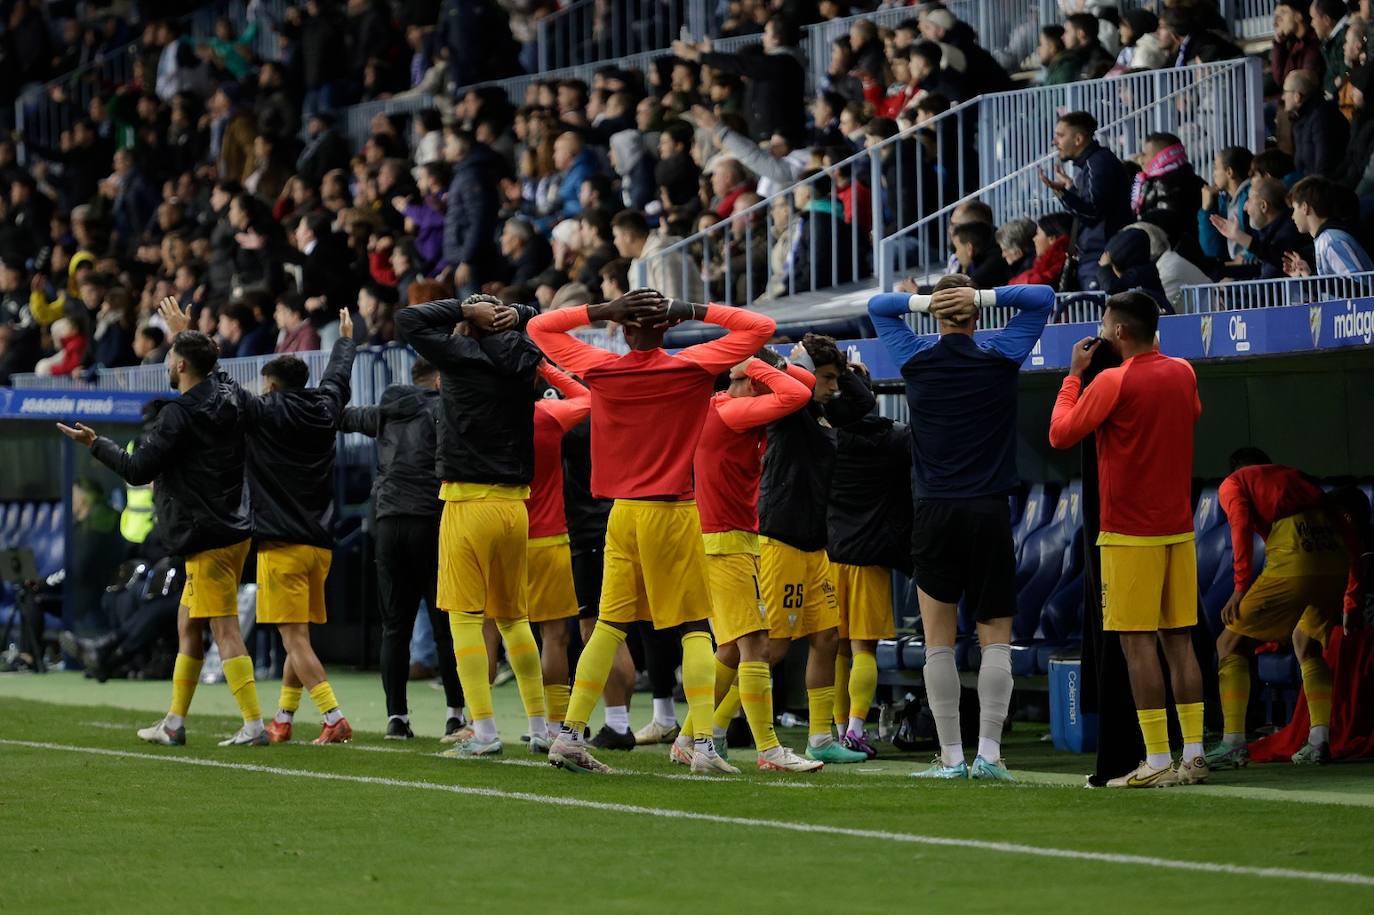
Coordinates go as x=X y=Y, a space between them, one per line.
x=1051 y=251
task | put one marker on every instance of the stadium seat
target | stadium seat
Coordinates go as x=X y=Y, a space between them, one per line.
x=9 y=521
x=913 y=654
x=1023 y=660
x=888 y=654
x=967 y=654
x=1280 y=669
x=1034 y=514
x=1048 y=555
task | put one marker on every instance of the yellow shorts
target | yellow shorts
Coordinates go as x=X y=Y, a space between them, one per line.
x=551 y=595
x=212 y=581
x=1149 y=587
x=1274 y=606
x=737 y=606
x=864 y=596
x=291 y=582
x=484 y=557
x=655 y=564
x=797 y=590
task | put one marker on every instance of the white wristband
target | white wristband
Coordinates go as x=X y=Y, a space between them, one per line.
x=919 y=303
x=985 y=298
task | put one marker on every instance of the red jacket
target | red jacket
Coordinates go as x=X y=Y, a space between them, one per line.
x=73 y=354
x=1048 y=267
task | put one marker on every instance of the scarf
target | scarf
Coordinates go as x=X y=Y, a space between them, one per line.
x=1168 y=159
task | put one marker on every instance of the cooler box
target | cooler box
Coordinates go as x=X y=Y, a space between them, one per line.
x=1070 y=727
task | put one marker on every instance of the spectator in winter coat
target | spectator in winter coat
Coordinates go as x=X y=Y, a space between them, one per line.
x=1269 y=235
x=1167 y=192
x=1126 y=266
x=1320 y=131
x=1099 y=194
x=470 y=222
x=575 y=164
x=1139 y=43
x=526 y=252
x=982 y=70
x=980 y=258
x=232 y=132
x=298 y=335
x=1082 y=42
x=677 y=173
x=1296 y=46
x=1330 y=18
x=632 y=162
x=772 y=101
x=1225 y=196
x=1185 y=39
x=71 y=346
x=1016 y=241
x=675 y=275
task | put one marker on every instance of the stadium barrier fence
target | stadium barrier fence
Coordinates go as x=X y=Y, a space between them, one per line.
x=1307 y=290
x=592 y=31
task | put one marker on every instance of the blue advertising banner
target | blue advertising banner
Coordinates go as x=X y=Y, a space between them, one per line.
x=75 y=405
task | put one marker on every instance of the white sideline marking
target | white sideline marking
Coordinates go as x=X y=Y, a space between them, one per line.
x=674 y=776
x=1010 y=848
x=107 y=725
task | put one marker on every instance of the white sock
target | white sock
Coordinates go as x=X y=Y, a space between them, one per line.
x=571 y=736
x=553 y=728
x=455 y=713
x=717 y=732
x=254 y=727
x=1193 y=751
x=538 y=727
x=484 y=729
x=991 y=750
x=772 y=753
x=284 y=717
x=333 y=716
x=1319 y=734
x=816 y=741
x=683 y=740
x=1233 y=740
x=618 y=718
x=1159 y=760
x=173 y=721
x=856 y=725
x=404 y=719
x=952 y=755
x=705 y=745
x=665 y=712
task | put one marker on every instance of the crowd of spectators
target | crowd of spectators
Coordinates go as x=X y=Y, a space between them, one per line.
x=225 y=179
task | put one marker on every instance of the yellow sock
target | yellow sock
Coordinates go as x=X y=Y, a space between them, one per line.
x=756 y=695
x=1154 y=727
x=821 y=702
x=593 y=667
x=557 y=695
x=470 y=654
x=1190 y=721
x=842 y=688
x=290 y=699
x=185 y=676
x=523 y=654
x=238 y=673
x=1234 y=675
x=727 y=708
x=1316 y=683
x=698 y=680
x=322 y=694
x=863 y=684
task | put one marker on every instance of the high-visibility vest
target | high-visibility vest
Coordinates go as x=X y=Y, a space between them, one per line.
x=137 y=518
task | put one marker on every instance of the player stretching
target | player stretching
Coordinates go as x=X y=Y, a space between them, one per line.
x=553 y=599
x=869 y=520
x=728 y=464
x=793 y=565
x=1143 y=413
x=1311 y=563
x=194 y=450
x=648 y=409
x=962 y=393
x=486 y=461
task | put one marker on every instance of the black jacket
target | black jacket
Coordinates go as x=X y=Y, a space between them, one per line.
x=797 y=465
x=1276 y=239
x=291 y=445
x=405 y=425
x=1171 y=201
x=488 y=394
x=587 y=515
x=1320 y=135
x=1100 y=200
x=771 y=100
x=869 y=516
x=470 y=221
x=194 y=449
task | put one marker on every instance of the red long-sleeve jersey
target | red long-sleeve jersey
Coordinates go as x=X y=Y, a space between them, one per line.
x=648 y=407
x=552 y=420
x=1143 y=412
x=729 y=458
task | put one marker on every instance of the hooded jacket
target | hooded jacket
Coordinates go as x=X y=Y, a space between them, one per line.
x=1100 y=200
x=1129 y=251
x=869 y=515
x=635 y=167
x=405 y=424
x=470 y=221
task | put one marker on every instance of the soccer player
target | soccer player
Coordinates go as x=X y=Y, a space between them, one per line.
x=648 y=409
x=405 y=500
x=488 y=369
x=194 y=450
x=552 y=596
x=794 y=570
x=1311 y=569
x=962 y=394
x=1143 y=413
x=728 y=465
x=869 y=519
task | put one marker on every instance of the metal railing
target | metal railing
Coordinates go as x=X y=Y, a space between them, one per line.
x=1070 y=308
x=1200 y=106
x=589 y=31
x=817 y=234
x=1306 y=290
x=356 y=122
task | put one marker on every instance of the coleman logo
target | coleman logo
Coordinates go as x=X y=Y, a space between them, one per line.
x=1072 y=679
x=1206 y=326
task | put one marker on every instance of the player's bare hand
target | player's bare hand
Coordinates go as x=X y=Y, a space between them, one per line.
x=954 y=306
x=1230 y=613
x=82 y=434
x=175 y=319
x=506 y=318
x=636 y=308
x=482 y=310
x=1083 y=355
x=345 y=323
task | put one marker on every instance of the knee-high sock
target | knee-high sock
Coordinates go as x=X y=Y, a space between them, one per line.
x=185 y=676
x=593 y=667
x=942 y=692
x=698 y=680
x=1190 y=725
x=238 y=673
x=1316 y=684
x=523 y=654
x=756 y=695
x=558 y=695
x=843 y=702
x=994 y=698
x=1233 y=672
x=322 y=694
x=863 y=684
x=290 y=699
x=820 y=703
x=1154 y=727
x=470 y=655
x=725 y=684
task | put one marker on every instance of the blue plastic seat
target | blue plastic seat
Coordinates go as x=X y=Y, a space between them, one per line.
x=913 y=654
x=1034 y=516
x=888 y=654
x=1045 y=554
x=1280 y=669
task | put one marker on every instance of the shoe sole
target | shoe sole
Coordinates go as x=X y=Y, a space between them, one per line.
x=771 y=767
x=559 y=761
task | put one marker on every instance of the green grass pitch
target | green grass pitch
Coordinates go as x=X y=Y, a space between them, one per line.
x=95 y=821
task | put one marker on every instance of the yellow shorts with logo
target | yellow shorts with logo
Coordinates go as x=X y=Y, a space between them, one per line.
x=1146 y=585
x=484 y=558
x=737 y=607
x=655 y=564
x=1274 y=606
x=291 y=582
x=551 y=594
x=797 y=590
x=864 y=596
x=212 y=581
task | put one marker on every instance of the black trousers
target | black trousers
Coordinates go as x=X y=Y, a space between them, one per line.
x=407 y=572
